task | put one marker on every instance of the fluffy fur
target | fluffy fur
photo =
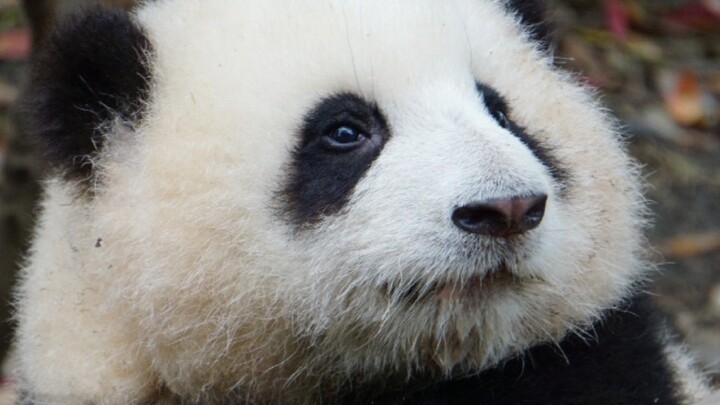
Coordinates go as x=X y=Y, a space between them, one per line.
x=188 y=275
x=92 y=70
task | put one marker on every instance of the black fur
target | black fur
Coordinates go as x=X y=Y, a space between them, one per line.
x=498 y=108
x=620 y=362
x=91 y=70
x=533 y=14
x=321 y=180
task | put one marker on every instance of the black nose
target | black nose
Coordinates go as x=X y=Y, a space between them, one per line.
x=502 y=217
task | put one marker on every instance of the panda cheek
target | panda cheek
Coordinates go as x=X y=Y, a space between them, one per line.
x=498 y=108
x=558 y=171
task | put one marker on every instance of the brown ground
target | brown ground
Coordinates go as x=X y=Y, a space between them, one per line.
x=662 y=78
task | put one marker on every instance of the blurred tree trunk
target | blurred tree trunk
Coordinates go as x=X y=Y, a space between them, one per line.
x=19 y=191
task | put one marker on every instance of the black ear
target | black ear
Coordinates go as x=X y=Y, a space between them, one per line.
x=533 y=15
x=92 y=69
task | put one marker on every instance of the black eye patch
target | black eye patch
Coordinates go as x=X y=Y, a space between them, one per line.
x=498 y=108
x=495 y=104
x=340 y=138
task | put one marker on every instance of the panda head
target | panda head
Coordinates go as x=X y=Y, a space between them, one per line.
x=337 y=187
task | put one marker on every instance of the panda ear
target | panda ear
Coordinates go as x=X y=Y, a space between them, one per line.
x=533 y=15
x=91 y=70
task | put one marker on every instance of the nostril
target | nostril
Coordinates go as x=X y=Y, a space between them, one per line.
x=532 y=216
x=481 y=219
x=501 y=217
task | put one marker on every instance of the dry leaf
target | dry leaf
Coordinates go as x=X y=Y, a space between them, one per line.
x=690 y=245
x=644 y=48
x=683 y=97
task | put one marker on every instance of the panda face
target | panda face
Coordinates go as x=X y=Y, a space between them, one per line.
x=357 y=188
x=389 y=255
x=448 y=216
x=336 y=151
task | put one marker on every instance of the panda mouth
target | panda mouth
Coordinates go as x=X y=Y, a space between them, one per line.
x=473 y=286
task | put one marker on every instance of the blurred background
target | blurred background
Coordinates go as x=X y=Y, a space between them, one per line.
x=656 y=65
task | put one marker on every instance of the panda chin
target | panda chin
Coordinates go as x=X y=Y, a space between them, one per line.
x=473 y=287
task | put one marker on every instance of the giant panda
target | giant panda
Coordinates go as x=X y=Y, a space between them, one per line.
x=332 y=202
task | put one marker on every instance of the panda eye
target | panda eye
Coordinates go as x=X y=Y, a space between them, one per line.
x=343 y=139
x=501 y=119
x=495 y=104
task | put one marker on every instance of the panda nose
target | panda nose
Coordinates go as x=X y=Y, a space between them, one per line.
x=501 y=217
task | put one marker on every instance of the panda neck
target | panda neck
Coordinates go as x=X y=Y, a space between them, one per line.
x=622 y=359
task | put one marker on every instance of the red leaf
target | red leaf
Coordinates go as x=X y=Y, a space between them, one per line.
x=15 y=44
x=617 y=19
x=699 y=16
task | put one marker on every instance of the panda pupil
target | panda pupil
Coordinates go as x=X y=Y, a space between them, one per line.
x=501 y=119
x=345 y=134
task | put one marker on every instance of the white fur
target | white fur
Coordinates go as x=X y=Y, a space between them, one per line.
x=180 y=273
x=693 y=385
